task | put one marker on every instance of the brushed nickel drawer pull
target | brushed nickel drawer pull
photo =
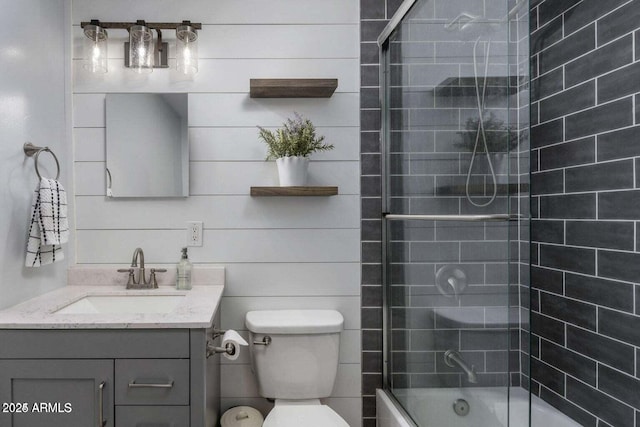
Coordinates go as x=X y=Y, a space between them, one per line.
x=101 y=421
x=134 y=384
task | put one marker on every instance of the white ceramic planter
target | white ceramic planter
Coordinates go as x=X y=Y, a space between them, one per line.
x=292 y=171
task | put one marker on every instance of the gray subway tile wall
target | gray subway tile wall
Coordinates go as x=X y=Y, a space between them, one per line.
x=374 y=15
x=585 y=272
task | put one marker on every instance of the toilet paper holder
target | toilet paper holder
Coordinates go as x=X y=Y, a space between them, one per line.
x=229 y=348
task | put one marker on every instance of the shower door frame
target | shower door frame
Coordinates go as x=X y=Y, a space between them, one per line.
x=384 y=42
x=385 y=134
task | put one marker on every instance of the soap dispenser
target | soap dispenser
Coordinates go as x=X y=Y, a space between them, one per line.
x=183 y=276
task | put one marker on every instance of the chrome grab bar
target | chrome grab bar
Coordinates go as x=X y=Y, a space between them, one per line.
x=463 y=218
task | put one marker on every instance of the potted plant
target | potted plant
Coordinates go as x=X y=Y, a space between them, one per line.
x=500 y=139
x=291 y=146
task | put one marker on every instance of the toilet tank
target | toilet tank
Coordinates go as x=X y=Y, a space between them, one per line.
x=300 y=360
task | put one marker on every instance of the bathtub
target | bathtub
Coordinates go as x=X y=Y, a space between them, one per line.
x=487 y=408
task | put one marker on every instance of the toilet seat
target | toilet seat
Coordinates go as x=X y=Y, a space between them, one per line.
x=303 y=415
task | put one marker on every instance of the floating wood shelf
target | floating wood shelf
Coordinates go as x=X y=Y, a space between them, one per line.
x=292 y=88
x=293 y=191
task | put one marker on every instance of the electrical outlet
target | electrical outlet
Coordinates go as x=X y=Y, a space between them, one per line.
x=194 y=233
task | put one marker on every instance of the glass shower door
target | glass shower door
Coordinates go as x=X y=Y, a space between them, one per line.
x=452 y=174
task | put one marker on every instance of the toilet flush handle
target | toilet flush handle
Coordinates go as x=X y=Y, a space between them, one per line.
x=265 y=341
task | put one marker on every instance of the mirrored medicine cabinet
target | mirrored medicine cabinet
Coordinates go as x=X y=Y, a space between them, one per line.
x=147 y=145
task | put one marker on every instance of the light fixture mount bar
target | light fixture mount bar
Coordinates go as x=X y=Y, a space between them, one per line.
x=152 y=25
x=160 y=59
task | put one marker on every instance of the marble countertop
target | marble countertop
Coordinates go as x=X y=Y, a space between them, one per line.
x=197 y=310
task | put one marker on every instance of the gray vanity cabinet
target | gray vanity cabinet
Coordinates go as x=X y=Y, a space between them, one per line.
x=128 y=378
x=58 y=393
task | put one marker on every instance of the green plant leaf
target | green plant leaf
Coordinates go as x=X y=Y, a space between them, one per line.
x=297 y=137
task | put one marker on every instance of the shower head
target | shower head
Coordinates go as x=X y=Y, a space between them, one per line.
x=481 y=25
x=463 y=17
x=473 y=26
x=461 y=21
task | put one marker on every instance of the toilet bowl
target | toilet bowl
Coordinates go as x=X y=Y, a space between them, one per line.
x=294 y=356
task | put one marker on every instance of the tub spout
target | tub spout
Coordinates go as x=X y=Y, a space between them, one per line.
x=452 y=358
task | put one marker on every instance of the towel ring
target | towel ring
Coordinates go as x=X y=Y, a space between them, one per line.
x=34 y=151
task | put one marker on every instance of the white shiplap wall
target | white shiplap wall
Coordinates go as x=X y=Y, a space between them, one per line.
x=279 y=252
x=34 y=107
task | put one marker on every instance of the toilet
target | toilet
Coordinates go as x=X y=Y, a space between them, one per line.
x=294 y=356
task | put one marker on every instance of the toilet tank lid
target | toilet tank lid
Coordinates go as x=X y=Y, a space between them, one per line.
x=294 y=321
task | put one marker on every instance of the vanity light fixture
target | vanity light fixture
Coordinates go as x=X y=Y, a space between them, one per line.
x=95 y=48
x=186 y=49
x=141 y=54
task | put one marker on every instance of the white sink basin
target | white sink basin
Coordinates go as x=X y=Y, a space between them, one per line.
x=115 y=304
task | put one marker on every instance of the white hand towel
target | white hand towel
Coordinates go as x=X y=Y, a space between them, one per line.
x=49 y=227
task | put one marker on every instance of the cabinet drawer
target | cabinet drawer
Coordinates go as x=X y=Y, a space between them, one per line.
x=152 y=416
x=152 y=382
x=94 y=344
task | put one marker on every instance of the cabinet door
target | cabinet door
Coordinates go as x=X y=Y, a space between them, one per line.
x=56 y=393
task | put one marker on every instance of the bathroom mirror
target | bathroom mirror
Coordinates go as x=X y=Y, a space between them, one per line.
x=147 y=145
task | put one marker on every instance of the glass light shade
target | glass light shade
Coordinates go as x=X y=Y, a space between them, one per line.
x=186 y=50
x=141 y=49
x=95 y=49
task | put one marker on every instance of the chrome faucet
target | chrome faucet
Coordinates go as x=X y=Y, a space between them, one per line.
x=141 y=282
x=139 y=253
x=452 y=358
